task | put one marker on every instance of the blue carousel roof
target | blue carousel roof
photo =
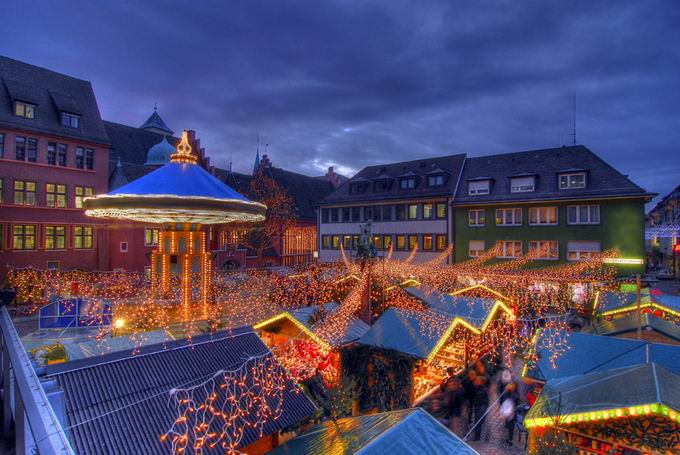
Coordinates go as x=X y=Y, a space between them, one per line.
x=160 y=153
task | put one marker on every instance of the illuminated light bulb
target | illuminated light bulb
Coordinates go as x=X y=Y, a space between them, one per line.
x=119 y=323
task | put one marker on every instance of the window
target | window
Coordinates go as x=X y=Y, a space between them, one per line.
x=345 y=214
x=412 y=242
x=377 y=213
x=52 y=265
x=357 y=188
x=80 y=157
x=81 y=193
x=547 y=249
x=25 y=110
x=347 y=242
x=123 y=247
x=475 y=248
x=70 y=120
x=509 y=248
x=82 y=237
x=413 y=211
x=89 y=159
x=427 y=242
x=356 y=213
x=572 y=181
x=441 y=210
x=441 y=242
x=61 y=154
x=51 y=153
x=335 y=215
x=435 y=180
x=387 y=213
x=583 y=214
x=478 y=187
x=508 y=217
x=368 y=213
x=381 y=185
x=522 y=184
x=2 y=145
x=476 y=217
x=542 y=216
x=31 y=150
x=387 y=241
x=55 y=195
x=23 y=237
x=401 y=242
x=2 y=198
x=578 y=251
x=401 y=212
x=377 y=241
x=325 y=242
x=335 y=242
x=55 y=237
x=325 y=215
x=20 y=148
x=427 y=211
x=356 y=240
x=24 y=192
x=407 y=183
x=151 y=236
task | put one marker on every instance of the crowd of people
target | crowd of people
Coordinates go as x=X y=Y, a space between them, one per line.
x=467 y=396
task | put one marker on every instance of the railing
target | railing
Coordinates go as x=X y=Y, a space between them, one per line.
x=28 y=402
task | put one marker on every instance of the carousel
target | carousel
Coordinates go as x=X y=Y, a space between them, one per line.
x=184 y=198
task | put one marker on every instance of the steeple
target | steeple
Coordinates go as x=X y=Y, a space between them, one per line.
x=156 y=124
x=257 y=155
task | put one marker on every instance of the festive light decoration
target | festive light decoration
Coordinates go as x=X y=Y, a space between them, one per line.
x=607 y=414
x=624 y=261
x=643 y=305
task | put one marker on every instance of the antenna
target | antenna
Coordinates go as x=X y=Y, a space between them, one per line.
x=258 y=141
x=574 y=127
x=266 y=149
x=155 y=106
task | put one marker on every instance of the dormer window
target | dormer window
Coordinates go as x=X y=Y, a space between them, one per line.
x=25 y=110
x=479 y=187
x=382 y=183
x=70 y=120
x=407 y=183
x=357 y=187
x=522 y=184
x=435 y=180
x=573 y=181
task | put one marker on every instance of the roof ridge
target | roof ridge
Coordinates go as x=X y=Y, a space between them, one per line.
x=42 y=68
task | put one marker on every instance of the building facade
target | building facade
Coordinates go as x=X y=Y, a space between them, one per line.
x=663 y=231
x=407 y=202
x=563 y=204
x=53 y=153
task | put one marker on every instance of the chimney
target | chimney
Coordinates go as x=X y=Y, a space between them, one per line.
x=332 y=177
x=265 y=162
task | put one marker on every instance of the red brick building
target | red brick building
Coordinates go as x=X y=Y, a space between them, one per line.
x=53 y=152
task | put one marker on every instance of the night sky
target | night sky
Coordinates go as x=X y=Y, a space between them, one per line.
x=356 y=83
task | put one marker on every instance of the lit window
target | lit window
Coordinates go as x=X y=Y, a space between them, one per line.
x=325 y=242
x=413 y=211
x=412 y=242
x=387 y=241
x=542 y=216
x=401 y=242
x=25 y=110
x=546 y=249
x=427 y=242
x=475 y=248
x=572 y=181
x=522 y=184
x=578 y=251
x=377 y=241
x=81 y=193
x=476 y=217
x=23 y=237
x=70 y=120
x=407 y=183
x=583 y=214
x=335 y=242
x=478 y=187
x=441 y=242
x=435 y=180
x=55 y=237
x=509 y=249
x=347 y=242
x=82 y=237
x=441 y=210
x=24 y=192
x=151 y=236
x=55 y=195
x=427 y=211
x=508 y=217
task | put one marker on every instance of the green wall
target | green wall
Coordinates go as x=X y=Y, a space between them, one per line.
x=622 y=226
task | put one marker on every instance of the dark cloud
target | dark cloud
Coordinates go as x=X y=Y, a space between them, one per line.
x=355 y=83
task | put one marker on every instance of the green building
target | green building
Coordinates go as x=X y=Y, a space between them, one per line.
x=566 y=201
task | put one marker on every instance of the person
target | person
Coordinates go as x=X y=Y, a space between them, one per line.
x=453 y=396
x=509 y=408
x=450 y=373
x=469 y=391
x=481 y=404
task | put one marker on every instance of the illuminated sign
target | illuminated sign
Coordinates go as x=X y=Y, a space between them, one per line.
x=676 y=248
x=629 y=261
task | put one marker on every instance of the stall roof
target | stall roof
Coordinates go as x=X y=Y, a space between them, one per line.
x=610 y=303
x=607 y=394
x=409 y=431
x=630 y=322
x=588 y=353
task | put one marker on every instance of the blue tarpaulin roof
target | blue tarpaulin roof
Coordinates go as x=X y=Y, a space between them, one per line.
x=615 y=300
x=474 y=310
x=629 y=323
x=354 y=330
x=409 y=431
x=179 y=179
x=588 y=353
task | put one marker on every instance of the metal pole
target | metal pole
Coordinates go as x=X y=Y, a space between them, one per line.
x=639 y=312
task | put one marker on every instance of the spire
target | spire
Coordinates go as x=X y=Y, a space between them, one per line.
x=257 y=155
x=156 y=124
